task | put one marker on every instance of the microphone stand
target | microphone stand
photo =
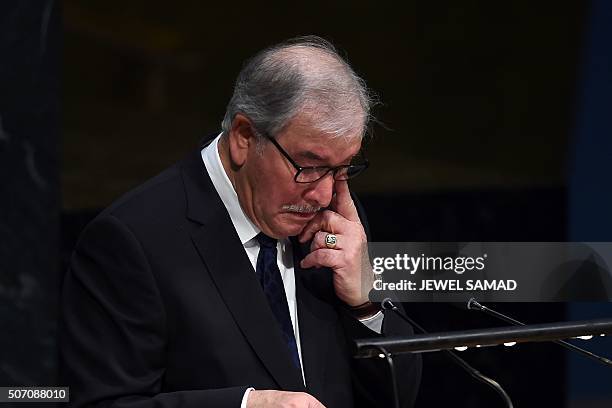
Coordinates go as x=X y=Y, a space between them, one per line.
x=387 y=304
x=389 y=358
x=473 y=304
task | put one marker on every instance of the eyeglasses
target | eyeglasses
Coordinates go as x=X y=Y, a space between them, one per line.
x=315 y=173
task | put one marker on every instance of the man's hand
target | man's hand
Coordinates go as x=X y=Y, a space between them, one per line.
x=349 y=259
x=281 y=399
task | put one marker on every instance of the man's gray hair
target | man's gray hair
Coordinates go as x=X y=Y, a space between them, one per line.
x=301 y=75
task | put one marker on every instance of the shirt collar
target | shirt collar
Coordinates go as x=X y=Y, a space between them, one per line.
x=244 y=226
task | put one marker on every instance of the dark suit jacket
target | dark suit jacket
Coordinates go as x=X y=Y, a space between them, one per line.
x=161 y=308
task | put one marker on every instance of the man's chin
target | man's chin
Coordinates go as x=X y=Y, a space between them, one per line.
x=293 y=224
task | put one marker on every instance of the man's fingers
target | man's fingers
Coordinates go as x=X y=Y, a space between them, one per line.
x=323 y=221
x=311 y=228
x=342 y=202
x=312 y=401
x=318 y=241
x=282 y=399
x=317 y=404
x=322 y=258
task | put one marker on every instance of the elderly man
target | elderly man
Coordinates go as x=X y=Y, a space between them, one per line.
x=234 y=278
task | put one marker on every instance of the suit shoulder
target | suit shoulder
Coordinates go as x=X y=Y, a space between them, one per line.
x=160 y=197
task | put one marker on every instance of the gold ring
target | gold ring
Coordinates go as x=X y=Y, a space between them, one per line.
x=331 y=240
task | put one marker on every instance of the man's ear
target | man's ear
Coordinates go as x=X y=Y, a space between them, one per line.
x=241 y=139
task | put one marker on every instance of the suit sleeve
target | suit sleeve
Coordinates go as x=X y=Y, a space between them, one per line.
x=371 y=377
x=113 y=328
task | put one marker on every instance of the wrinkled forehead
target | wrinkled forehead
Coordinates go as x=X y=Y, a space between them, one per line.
x=303 y=138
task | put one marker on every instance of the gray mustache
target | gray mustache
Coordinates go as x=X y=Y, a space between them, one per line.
x=300 y=208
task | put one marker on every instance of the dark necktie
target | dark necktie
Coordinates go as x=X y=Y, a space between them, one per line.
x=272 y=285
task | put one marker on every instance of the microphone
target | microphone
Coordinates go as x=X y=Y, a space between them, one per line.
x=388 y=304
x=473 y=304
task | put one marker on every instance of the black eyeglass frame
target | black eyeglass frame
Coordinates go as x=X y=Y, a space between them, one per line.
x=360 y=168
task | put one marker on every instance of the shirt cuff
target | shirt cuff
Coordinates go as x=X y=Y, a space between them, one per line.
x=375 y=322
x=245 y=397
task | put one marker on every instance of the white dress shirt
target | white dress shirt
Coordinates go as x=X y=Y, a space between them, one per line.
x=247 y=232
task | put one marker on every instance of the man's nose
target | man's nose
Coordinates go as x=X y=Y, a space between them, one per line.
x=321 y=191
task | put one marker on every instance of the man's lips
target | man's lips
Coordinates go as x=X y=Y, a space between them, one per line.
x=302 y=212
x=303 y=215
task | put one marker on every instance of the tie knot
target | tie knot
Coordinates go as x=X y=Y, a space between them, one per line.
x=266 y=241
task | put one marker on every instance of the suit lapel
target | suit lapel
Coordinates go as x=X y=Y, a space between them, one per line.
x=316 y=319
x=231 y=271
